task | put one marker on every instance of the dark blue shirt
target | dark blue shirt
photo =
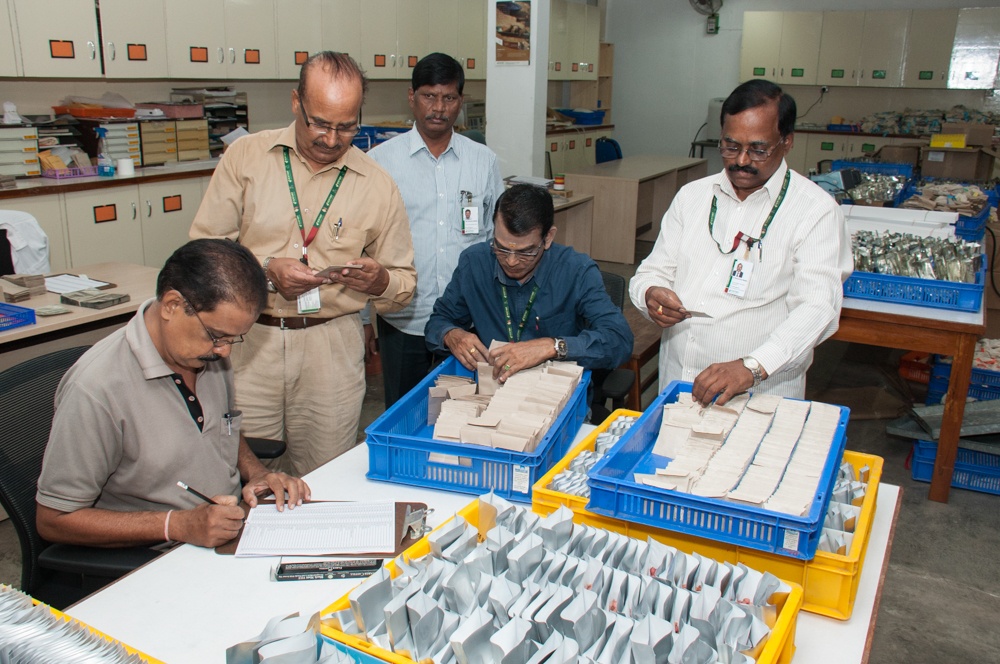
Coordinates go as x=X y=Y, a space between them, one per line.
x=571 y=303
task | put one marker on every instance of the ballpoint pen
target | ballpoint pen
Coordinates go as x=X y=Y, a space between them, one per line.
x=340 y=223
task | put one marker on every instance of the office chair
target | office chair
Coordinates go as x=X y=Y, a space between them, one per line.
x=476 y=135
x=607 y=149
x=611 y=384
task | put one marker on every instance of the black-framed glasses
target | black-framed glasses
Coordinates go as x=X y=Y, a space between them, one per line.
x=525 y=255
x=323 y=129
x=734 y=150
x=217 y=342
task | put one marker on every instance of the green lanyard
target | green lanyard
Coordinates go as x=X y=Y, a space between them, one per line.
x=524 y=317
x=767 y=222
x=306 y=241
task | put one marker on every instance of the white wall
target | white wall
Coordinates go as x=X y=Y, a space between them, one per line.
x=667 y=68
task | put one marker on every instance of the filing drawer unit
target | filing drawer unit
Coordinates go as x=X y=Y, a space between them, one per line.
x=159 y=141
x=192 y=140
x=19 y=151
x=122 y=139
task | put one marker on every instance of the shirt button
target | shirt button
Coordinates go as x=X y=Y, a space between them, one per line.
x=177 y=380
x=201 y=419
x=190 y=398
x=296 y=246
x=441 y=195
x=441 y=222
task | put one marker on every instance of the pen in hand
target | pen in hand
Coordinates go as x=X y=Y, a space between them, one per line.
x=197 y=493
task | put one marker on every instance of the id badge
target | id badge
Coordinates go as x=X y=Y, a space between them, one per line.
x=470 y=220
x=739 y=278
x=309 y=301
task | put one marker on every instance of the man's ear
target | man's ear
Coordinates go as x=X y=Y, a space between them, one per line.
x=550 y=237
x=172 y=303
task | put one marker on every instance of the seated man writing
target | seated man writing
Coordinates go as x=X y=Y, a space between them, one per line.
x=153 y=404
x=548 y=301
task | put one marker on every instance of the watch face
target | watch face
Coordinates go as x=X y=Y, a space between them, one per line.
x=751 y=363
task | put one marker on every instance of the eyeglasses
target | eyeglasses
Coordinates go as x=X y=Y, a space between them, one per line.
x=519 y=256
x=217 y=342
x=323 y=130
x=755 y=154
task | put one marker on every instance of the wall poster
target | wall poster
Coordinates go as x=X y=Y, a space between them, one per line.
x=513 y=38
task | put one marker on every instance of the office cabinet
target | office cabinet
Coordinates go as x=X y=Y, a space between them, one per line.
x=459 y=29
x=821 y=147
x=133 y=48
x=167 y=210
x=584 y=25
x=976 y=49
x=882 y=45
x=299 y=31
x=780 y=46
x=929 y=41
x=839 y=46
x=569 y=152
x=393 y=37
x=340 y=27
x=220 y=39
x=104 y=225
x=48 y=211
x=761 y=45
x=58 y=39
x=9 y=54
x=558 y=41
x=250 y=39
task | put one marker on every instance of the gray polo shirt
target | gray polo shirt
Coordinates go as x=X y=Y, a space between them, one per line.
x=123 y=434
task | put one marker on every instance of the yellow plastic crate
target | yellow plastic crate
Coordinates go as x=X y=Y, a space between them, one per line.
x=127 y=647
x=830 y=581
x=779 y=648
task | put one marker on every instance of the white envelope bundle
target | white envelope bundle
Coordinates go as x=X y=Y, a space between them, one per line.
x=562 y=592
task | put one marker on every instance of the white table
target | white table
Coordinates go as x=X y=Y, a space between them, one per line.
x=190 y=604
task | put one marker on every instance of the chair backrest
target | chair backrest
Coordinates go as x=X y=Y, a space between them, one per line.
x=607 y=149
x=615 y=285
x=475 y=135
x=27 y=396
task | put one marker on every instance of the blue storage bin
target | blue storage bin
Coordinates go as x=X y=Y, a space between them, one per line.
x=583 y=117
x=12 y=316
x=974 y=470
x=984 y=385
x=400 y=447
x=919 y=292
x=614 y=492
x=906 y=170
x=969 y=228
x=357 y=656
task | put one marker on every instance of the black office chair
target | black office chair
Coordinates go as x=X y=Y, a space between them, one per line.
x=476 y=135
x=611 y=384
x=57 y=574
x=607 y=149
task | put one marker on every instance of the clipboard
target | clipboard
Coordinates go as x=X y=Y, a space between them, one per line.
x=402 y=540
x=107 y=284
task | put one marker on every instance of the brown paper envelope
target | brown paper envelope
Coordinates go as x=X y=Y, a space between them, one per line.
x=505 y=441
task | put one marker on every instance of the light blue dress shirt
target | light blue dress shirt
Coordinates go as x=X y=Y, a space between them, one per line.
x=435 y=192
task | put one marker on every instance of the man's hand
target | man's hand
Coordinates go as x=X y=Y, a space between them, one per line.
x=511 y=358
x=725 y=379
x=665 y=308
x=279 y=484
x=371 y=342
x=370 y=278
x=466 y=347
x=207 y=525
x=292 y=277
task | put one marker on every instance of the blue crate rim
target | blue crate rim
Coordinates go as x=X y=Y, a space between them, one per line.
x=958 y=288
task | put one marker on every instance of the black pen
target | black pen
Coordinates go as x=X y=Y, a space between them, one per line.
x=196 y=492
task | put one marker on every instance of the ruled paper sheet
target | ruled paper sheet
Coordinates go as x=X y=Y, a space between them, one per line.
x=319 y=529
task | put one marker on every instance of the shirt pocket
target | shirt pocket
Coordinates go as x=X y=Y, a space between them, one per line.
x=337 y=246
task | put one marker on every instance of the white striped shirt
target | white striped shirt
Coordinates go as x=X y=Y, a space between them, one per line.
x=795 y=290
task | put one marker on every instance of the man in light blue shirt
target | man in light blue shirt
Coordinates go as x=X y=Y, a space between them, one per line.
x=450 y=185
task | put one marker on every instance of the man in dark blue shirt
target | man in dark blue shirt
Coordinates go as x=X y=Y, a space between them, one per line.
x=548 y=301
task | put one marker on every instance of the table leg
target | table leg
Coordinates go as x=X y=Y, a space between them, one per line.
x=951 y=421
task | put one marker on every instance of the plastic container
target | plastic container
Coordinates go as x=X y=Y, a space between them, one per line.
x=969 y=228
x=357 y=655
x=105 y=166
x=779 y=649
x=912 y=367
x=401 y=449
x=919 y=292
x=846 y=128
x=984 y=384
x=905 y=170
x=974 y=470
x=12 y=316
x=92 y=112
x=614 y=492
x=64 y=173
x=583 y=117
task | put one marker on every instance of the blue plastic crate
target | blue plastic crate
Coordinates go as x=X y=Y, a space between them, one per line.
x=969 y=228
x=906 y=170
x=12 y=316
x=356 y=655
x=974 y=470
x=919 y=292
x=984 y=384
x=400 y=447
x=584 y=117
x=613 y=492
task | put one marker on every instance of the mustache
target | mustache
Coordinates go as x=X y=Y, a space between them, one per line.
x=435 y=116
x=736 y=168
x=210 y=358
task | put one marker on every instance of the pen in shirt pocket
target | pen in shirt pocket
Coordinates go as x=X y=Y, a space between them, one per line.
x=538 y=323
x=228 y=419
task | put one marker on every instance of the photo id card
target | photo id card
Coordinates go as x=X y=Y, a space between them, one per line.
x=309 y=301
x=739 y=278
x=470 y=220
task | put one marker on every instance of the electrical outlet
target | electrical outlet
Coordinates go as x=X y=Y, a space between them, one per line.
x=824 y=89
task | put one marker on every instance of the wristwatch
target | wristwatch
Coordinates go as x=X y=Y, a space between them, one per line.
x=755 y=368
x=560 y=346
x=271 y=288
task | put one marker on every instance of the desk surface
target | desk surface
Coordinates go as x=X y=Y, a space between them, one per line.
x=138 y=281
x=560 y=203
x=962 y=321
x=189 y=605
x=639 y=167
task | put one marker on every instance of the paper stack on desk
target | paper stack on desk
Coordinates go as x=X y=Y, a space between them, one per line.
x=93 y=298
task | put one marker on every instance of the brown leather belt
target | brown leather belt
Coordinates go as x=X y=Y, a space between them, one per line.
x=292 y=322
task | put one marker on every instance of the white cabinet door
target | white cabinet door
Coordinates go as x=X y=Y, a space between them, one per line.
x=104 y=225
x=761 y=45
x=796 y=159
x=48 y=211
x=576 y=22
x=976 y=51
x=9 y=54
x=839 y=48
x=134 y=39
x=928 y=48
x=299 y=30
x=250 y=40
x=341 y=19
x=196 y=38
x=167 y=210
x=882 y=48
x=378 y=38
x=471 y=50
x=800 y=33
x=411 y=35
x=559 y=60
x=58 y=38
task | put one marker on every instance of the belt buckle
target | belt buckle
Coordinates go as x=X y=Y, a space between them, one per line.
x=281 y=323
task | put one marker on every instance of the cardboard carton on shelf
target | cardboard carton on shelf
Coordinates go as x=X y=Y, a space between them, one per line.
x=966 y=164
x=900 y=154
x=976 y=135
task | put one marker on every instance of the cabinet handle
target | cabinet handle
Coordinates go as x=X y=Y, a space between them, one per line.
x=222 y=55
x=133 y=210
x=393 y=59
x=93 y=50
x=111 y=47
x=232 y=56
x=149 y=209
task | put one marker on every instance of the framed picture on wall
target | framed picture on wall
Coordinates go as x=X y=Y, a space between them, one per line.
x=513 y=36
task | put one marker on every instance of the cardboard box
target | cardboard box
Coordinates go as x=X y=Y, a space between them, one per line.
x=958 y=163
x=899 y=154
x=975 y=134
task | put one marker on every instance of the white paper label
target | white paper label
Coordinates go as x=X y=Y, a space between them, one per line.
x=522 y=479
x=935 y=156
x=791 y=540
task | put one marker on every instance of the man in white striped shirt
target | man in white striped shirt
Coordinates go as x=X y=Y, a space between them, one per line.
x=746 y=276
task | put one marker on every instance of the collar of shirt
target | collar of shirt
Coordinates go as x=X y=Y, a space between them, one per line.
x=137 y=336
x=352 y=158
x=772 y=186
x=417 y=144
